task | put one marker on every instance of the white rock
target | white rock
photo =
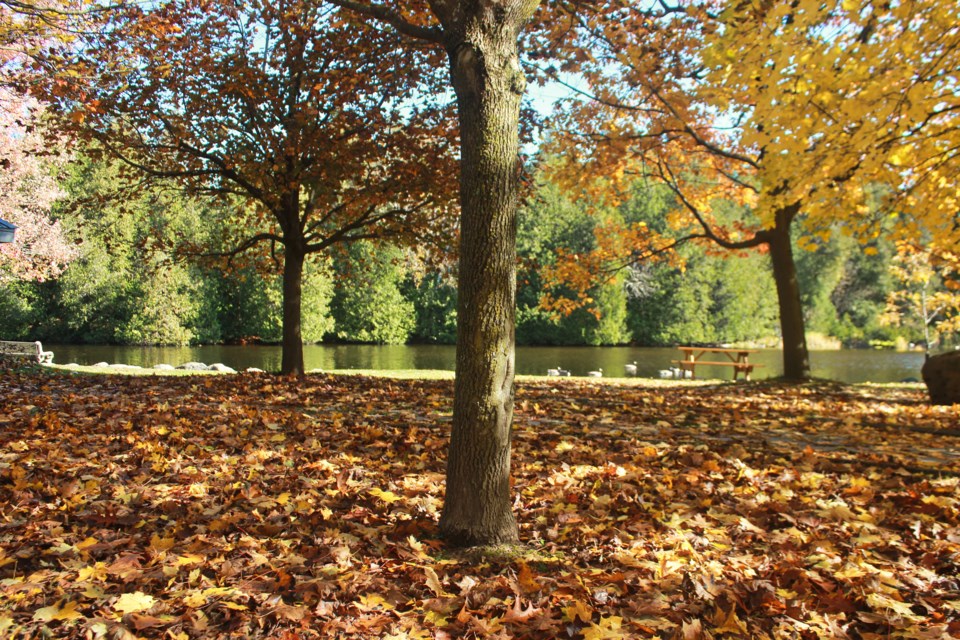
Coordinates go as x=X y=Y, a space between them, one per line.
x=193 y=366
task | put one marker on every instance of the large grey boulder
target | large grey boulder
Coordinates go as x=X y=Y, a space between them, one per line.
x=941 y=374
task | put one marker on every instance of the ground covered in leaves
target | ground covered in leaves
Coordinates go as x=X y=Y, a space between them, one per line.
x=253 y=506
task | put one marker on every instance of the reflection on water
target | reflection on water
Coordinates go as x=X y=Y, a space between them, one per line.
x=845 y=365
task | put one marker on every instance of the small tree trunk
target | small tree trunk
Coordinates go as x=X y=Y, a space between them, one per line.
x=292 y=346
x=796 y=357
x=486 y=75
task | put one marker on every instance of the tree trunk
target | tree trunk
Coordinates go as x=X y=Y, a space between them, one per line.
x=488 y=81
x=796 y=358
x=292 y=358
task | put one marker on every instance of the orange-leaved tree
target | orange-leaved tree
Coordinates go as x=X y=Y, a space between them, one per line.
x=800 y=109
x=299 y=118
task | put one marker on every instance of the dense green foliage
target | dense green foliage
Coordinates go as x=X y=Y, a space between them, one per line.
x=434 y=296
x=845 y=290
x=368 y=304
x=126 y=288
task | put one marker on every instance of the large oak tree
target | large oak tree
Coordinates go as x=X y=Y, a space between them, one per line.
x=481 y=41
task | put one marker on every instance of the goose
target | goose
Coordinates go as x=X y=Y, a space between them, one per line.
x=553 y=372
x=595 y=374
x=630 y=369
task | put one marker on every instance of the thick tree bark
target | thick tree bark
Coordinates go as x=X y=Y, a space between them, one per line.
x=489 y=84
x=796 y=358
x=292 y=346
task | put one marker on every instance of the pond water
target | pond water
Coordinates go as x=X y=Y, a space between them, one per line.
x=847 y=365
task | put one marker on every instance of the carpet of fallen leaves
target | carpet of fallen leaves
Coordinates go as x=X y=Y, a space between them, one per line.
x=254 y=506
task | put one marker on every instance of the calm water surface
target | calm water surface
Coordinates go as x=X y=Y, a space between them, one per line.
x=845 y=365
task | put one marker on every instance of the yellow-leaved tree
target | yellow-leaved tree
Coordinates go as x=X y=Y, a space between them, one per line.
x=928 y=291
x=804 y=110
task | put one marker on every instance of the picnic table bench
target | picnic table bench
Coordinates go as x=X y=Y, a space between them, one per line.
x=738 y=359
x=34 y=350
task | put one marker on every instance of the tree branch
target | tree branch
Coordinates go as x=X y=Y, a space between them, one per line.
x=759 y=238
x=394 y=19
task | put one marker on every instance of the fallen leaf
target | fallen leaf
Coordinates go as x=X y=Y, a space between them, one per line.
x=433 y=582
x=577 y=611
x=607 y=629
x=517 y=613
x=55 y=612
x=387 y=496
x=133 y=602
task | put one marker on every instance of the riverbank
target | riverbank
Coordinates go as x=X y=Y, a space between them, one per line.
x=399 y=374
x=860 y=365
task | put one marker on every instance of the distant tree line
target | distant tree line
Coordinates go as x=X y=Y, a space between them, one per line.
x=126 y=287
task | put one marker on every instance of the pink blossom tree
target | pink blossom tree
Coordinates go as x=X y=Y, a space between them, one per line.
x=28 y=190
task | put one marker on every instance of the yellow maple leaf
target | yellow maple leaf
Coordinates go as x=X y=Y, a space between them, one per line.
x=189 y=558
x=387 y=496
x=527 y=579
x=86 y=544
x=133 y=602
x=879 y=601
x=606 y=629
x=56 y=612
x=198 y=598
x=371 y=601
x=577 y=610
x=97 y=571
x=729 y=622
x=161 y=544
x=435 y=618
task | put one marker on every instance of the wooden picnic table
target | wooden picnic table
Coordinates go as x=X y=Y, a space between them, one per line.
x=738 y=359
